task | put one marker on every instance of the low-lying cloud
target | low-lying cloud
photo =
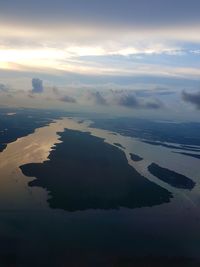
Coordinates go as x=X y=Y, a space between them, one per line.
x=97 y=98
x=124 y=98
x=129 y=99
x=37 y=86
x=193 y=98
x=67 y=99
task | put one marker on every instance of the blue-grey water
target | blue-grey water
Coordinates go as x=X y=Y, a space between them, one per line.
x=33 y=234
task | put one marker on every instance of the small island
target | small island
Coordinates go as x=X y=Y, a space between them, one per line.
x=135 y=157
x=83 y=172
x=170 y=177
x=119 y=145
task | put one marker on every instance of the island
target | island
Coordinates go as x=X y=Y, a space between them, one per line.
x=83 y=172
x=135 y=157
x=171 y=177
x=119 y=145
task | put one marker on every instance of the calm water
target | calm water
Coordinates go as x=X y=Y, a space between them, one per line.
x=32 y=234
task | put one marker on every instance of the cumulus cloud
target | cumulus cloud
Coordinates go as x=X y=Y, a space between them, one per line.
x=67 y=99
x=130 y=100
x=37 y=86
x=3 y=88
x=193 y=98
x=97 y=98
x=124 y=98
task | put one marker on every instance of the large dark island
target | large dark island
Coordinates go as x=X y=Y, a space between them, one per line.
x=83 y=172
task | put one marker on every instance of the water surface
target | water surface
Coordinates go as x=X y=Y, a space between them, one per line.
x=33 y=234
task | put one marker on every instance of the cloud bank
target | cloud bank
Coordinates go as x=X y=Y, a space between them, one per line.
x=104 y=12
x=130 y=100
x=124 y=98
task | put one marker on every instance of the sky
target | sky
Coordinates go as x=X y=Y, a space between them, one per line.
x=132 y=55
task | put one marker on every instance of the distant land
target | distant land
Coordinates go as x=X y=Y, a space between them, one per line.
x=172 y=178
x=20 y=122
x=83 y=172
x=187 y=133
x=23 y=122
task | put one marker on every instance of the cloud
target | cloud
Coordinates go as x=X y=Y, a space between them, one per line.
x=55 y=91
x=128 y=13
x=196 y=52
x=130 y=100
x=4 y=88
x=67 y=99
x=156 y=104
x=155 y=92
x=37 y=86
x=193 y=98
x=97 y=98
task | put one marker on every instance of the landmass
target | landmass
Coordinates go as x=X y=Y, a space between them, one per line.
x=191 y=148
x=186 y=133
x=119 y=145
x=135 y=157
x=161 y=144
x=23 y=122
x=170 y=177
x=83 y=172
x=181 y=147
